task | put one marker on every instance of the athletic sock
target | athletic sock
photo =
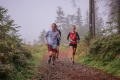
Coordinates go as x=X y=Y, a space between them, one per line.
x=74 y=53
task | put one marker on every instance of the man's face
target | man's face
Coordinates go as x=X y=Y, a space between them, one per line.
x=53 y=26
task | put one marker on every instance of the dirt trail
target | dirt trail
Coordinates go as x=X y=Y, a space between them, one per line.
x=65 y=70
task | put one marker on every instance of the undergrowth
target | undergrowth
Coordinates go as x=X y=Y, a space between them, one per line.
x=102 y=53
x=22 y=64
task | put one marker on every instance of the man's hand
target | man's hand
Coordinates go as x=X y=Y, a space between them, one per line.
x=57 y=33
x=46 y=43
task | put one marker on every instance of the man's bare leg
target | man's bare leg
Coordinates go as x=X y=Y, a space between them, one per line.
x=50 y=56
x=53 y=58
x=57 y=54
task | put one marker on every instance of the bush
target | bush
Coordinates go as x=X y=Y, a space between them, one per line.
x=103 y=53
x=108 y=47
x=12 y=58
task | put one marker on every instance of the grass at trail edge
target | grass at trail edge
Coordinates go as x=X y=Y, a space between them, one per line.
x=102 y=53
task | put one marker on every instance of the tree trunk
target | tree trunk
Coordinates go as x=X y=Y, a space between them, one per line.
x=90 y=18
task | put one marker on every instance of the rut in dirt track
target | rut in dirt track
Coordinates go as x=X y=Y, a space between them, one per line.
x=65 y=70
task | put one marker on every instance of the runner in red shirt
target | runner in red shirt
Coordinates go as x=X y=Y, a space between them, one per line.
x=73 y=38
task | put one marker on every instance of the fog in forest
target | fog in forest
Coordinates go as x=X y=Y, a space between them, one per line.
x=36 y=16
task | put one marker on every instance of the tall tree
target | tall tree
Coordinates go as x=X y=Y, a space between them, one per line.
x=100 y=28
x=78 y=18
x=86 y=25
x=72 y=19
x=98 y=20
x=41 y=37
x=66 y=29
x=60 y=18
x=67 y=26
x=13 y=57
x=35 y=42
x=8 y=30
x=114 y=16
x=67 y=21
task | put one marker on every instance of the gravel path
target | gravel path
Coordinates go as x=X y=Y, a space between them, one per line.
x=65 y=70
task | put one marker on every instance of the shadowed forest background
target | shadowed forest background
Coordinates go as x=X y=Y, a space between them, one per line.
x=19 y=59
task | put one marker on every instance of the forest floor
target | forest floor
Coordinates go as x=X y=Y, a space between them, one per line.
x=65 y=70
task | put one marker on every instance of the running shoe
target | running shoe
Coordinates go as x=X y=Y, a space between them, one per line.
x=57 y=59
x=53 y=64
x=49 y=60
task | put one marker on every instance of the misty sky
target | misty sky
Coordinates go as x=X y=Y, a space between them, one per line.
x=35 y=15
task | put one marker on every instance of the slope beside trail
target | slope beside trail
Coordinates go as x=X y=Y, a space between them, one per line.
x=65 y=70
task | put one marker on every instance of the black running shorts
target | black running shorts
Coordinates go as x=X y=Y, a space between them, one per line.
x=73 y=45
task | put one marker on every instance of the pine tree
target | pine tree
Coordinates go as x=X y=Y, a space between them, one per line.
x=114 y=13
x=41 y=37
x=60 y=18
x=13 y=56
x=35 y=42
x=8 y=30
x=101 y=24
x=72 y=19
x=66 y=29
x=86 y=25
x=78 y=18
x=98 y=21
x=67 y=21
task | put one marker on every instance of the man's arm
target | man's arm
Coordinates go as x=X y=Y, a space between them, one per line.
x=58 y=35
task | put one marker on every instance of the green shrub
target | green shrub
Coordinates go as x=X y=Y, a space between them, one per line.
x=106 y=45
x=103 y=53
x=13 y=58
